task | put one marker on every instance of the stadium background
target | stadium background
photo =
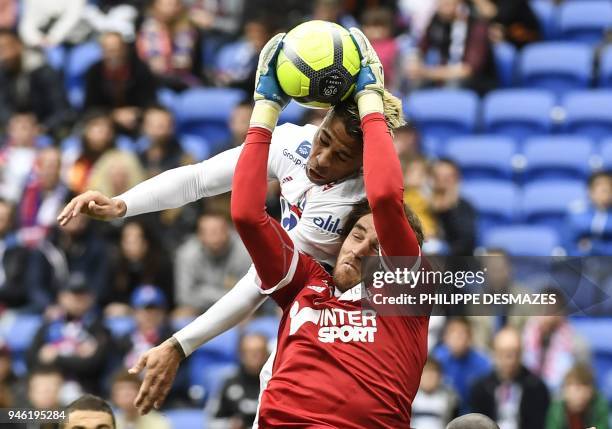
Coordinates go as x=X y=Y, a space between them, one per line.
x=528 y=124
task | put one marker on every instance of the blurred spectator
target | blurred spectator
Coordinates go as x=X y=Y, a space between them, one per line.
x=434 y=404
x=237 y=403
x=209 y=263
x=118 y=16
x=581 y=404
x=9 y=12
x=27 y=83
x=170 y=44
x=77 y=247
x=456 y=216
x=551 y=345
x=407 y=143
x=161 y=149
x=511 y=20
x=416 y=194
x=98 y=136
x=333 y=11
x=313 y=116
x=89 y=411
x=120 y=82
x=74 y=339
x=418 y=14
x=150 y=307
x=45 y=383
x=44 y=193
x=589 y=226
x=462 y=364
x=8 y=379
x=511 y=394
x=239 y=123
x=123 y=393
x=221 y=17
x=473 y=421
x=17 y=154
x=455 y=51
x=378 y=26
x=115 y=172
x=141 y=260
x=47 y=24
x=13 y=261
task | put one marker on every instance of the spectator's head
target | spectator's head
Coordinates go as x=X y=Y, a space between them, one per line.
x=239 y=121
x=499 y=271
x=134 y=241
x=149 y=303
x=416 y=173
x=448 y=9
x=44 y=387
x=23 y=129
x=124 y=390
x=600 y=190
x=214 y=233
x=258 y=30
x=114 y=50
x=578 y=389
x=7 y=217
x=98 y=133
x=11 y=49
x=472 y=421
x=167 y=11
x=406 y=142
x=327 y=10
x=48 y=167
x=458 y=336
x=507 y=353
x=377 y=23
x=431 y=378
x=75 y=296
x=253 y=353
x=446 y=176
x=116 y=172
x=6 y=362
x=158 y=125
x=89 y=412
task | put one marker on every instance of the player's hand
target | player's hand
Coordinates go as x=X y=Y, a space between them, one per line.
x=269 y=98
x=370 y=85
x=94 y=204
x=161 y=364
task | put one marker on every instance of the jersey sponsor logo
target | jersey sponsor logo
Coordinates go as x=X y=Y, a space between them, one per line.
x=291 y=214
x=328 y=224
x=335 y=324
x=294 y=158
x=303 y=149
x=317 y=289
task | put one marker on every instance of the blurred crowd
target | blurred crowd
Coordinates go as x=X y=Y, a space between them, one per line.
x=110 y=129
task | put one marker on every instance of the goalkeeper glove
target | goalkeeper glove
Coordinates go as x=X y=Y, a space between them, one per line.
x=370 y=85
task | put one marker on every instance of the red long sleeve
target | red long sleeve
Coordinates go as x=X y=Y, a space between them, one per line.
x=384 y=186
x=271 y=249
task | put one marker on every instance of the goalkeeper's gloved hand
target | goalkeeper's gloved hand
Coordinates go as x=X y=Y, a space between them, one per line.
x=370 y=85
x=269 y=98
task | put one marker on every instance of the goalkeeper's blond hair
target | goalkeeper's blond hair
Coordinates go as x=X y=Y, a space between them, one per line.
x=348 y=112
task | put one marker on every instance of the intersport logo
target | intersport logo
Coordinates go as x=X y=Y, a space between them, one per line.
x=335 y=324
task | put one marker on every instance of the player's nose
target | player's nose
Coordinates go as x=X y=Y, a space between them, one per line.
x=324 y=159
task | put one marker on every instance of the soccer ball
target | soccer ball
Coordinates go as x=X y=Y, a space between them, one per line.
x=318 y=64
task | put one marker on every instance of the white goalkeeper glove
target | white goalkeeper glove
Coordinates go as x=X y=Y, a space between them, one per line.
x=370 y=85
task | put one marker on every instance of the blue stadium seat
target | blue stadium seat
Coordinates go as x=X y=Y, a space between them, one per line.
x=518 y=113
x=19 y=333
x=524 y=240
x=605 y=67
x=80 y=58
x=482 y=157
x=557 y=157
x=589 y=113
x=221 y=349
x=546 y=12
x=556 y=66
x=207 y=378
x=267 y=326
x=505 y=60
x=56 y=57
x=120 y=326
x=187 y=418
x=547 y=202
x=167 y=98
x=292 y=113
x=585 y=21
x=495 y=201
x=443 y=113
x=606 y=154
x=198 y=147
x=205 y=112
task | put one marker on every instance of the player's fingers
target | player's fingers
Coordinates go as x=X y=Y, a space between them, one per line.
x=63 y=216
x=140 y=364
x=78 y=206
x=163 y=392
x=150 y=393
x=143 y=392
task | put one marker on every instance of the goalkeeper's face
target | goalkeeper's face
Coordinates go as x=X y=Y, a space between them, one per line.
x=335 y=155
x=362 y=241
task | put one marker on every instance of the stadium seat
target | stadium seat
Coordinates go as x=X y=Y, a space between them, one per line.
x=547 y=202
x=518 y=113
x=482 y=157
x=606 y=154
x=524 y=240
x=292 y=113
x=605 y=67
x=267 y=326
x=557 y=157
x=186 y=418
x=505 y=58
x=167 y=98
x=585 y=21
x=205 y=112
x=546 y=12
x=80 y=58
x=221 y=349
x=198 y=147
x=589 y=113
x=443 y=113
x=120 y=326
x=19 y=333
x=556 y=66
x=495 y=201
x=206 y=379
x=56 y=57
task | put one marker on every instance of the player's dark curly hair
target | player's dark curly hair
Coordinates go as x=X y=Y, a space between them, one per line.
x=362 y=208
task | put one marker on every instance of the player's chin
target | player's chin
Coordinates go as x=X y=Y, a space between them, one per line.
x=315 y=177
x=346 y=276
